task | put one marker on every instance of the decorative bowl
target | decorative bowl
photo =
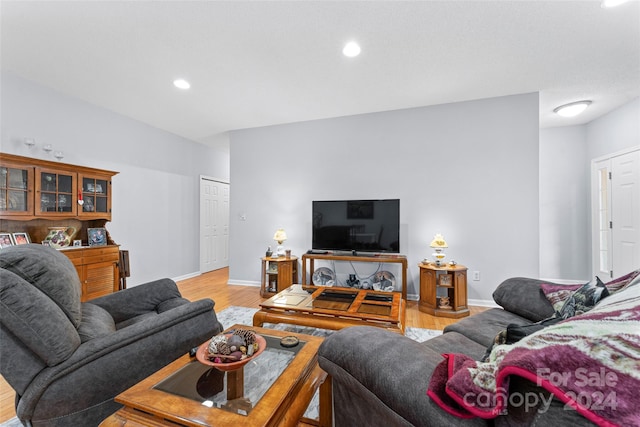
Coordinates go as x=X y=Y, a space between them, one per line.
x=203 y=355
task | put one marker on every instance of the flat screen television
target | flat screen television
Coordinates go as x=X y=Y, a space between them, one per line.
x=357 y=225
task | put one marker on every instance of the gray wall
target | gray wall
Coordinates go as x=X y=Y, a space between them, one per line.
x=467 y=170
x=564 y=204
x=155 y=195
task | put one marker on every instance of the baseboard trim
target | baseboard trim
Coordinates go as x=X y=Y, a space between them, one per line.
x=483 y=303
x=243 y=282
x=186 y=276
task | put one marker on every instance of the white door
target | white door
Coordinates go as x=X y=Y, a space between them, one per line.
x=214 y=224
x=625 y=205
x=616 y=214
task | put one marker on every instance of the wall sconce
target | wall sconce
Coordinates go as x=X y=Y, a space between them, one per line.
x=280 y=237
x=58 y=155
x=438 y=244
x=48 y=148
x=29 y=142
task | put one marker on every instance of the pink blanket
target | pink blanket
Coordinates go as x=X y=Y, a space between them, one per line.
x=590 y=362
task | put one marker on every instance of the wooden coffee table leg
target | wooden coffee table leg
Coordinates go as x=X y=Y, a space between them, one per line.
x=326 y=403
x=258 y=318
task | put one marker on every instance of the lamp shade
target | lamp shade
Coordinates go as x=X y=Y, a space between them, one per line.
x=438 y=242
x=280 y=236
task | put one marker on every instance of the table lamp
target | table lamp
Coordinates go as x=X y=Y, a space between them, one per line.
x=438 y=244
x=280 y=237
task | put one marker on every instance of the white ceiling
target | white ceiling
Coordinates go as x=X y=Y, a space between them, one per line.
x=264 y=62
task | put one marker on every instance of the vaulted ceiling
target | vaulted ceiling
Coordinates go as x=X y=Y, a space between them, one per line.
x=262 y=63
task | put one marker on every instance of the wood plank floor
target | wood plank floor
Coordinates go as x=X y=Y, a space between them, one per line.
x=214 y=285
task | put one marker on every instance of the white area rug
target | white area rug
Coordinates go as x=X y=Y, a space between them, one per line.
x=244 y=315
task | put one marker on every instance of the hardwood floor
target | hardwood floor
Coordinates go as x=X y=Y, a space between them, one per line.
x=214 y=285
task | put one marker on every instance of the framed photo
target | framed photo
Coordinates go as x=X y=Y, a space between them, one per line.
x=5 y=240
x=21 y=238
x=97 y=236
x=445 y=280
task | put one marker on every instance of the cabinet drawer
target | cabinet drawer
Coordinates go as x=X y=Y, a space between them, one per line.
x=100 y=258
x=101 y=250
x=74 y=255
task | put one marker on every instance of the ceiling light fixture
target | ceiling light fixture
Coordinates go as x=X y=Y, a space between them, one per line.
x=572 y=109
x=181 y=84
x=606 y=4
x=351 y=49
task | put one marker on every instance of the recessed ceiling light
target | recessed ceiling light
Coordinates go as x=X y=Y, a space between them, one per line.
x=605 y=4
x=572 y=109
x=181 y=84
x=351 y=49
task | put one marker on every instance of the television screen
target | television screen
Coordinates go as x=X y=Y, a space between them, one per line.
x=357 y=225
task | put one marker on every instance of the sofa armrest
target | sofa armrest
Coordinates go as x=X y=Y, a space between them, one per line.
x=381 y=378
x=524 y=297
x=138 y=300
x=103 y=367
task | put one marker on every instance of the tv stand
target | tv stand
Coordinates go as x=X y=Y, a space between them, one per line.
x=380 y=258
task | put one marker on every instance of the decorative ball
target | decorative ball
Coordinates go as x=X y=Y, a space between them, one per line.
x=214 y=345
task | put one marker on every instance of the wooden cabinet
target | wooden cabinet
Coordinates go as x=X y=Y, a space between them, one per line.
x=33 y=188
x=37 y=194
x=383 y=258
x=446 y=280
x=278 y=274
x=97 y=268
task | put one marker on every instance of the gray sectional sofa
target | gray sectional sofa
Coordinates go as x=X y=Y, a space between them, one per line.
x=67 y=360
x=381 y=378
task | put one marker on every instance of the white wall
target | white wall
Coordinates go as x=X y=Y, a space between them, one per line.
x=613 y=132
x=155 y=195
x=468 y=170
x=564 y=204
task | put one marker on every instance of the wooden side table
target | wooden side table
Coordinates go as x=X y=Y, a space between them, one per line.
x=453 y=279
x=278 y=274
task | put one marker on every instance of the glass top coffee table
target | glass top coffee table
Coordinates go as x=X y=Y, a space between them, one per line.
x=273 y=389
x=333 y=308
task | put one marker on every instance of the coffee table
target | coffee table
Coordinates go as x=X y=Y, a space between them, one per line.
x=274 y=389
x=334 y=308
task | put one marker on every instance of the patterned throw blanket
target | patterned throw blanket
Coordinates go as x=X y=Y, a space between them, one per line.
x=590 y=362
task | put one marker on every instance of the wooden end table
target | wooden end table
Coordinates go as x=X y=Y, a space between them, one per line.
x=334 y=308
x=274 y=389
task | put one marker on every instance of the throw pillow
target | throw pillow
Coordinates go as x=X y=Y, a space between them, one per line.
x=583 y=299
x=559 y=294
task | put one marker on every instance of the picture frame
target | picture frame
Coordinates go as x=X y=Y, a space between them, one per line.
x=97 y=236
x=6 y=240
x=21 y=238
x=445 y=280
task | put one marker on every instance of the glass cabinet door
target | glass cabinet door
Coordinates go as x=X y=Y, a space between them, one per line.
x=55 y=195
x=16 y=186
x=95 y=196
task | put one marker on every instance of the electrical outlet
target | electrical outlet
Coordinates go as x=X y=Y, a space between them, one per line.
x=476 y=276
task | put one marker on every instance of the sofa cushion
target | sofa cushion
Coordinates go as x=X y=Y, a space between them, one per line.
x=524 y=297
x=483 y=327
x=453 y=342
x=46 y=331
x=96 y=322
x=48 y=270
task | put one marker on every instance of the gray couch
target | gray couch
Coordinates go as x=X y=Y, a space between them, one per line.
x=67 y=360
x=381 y=378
